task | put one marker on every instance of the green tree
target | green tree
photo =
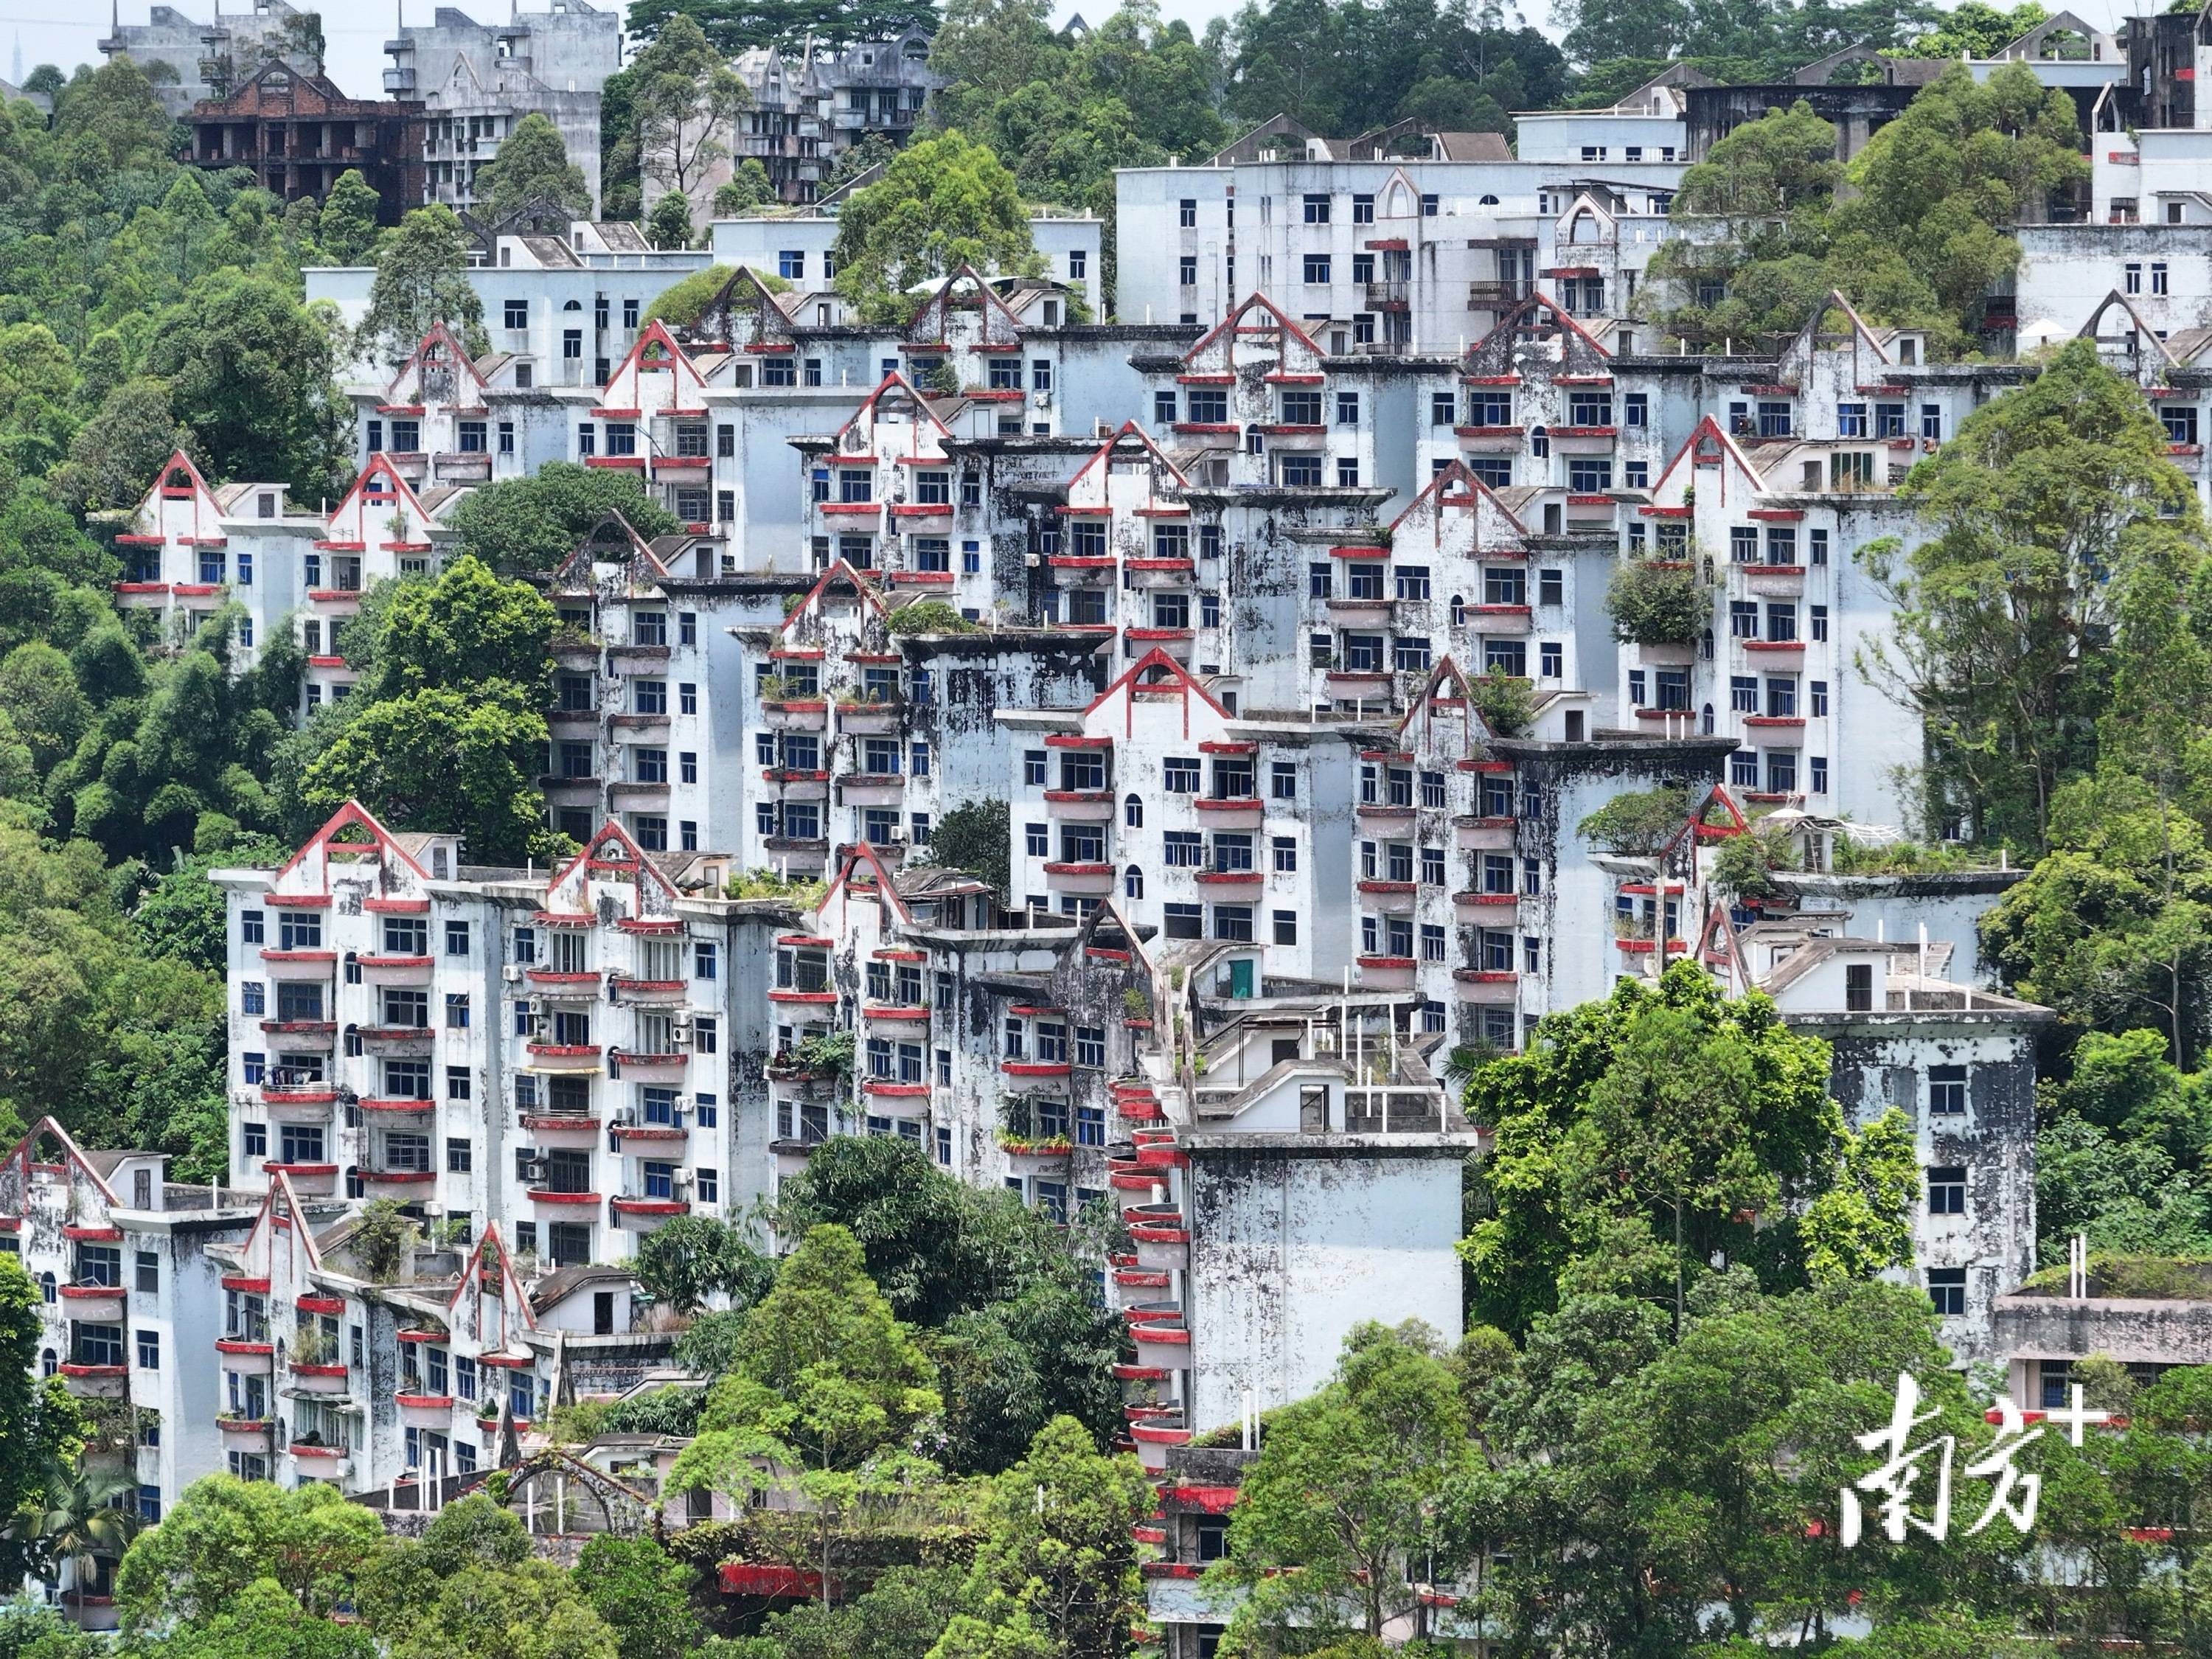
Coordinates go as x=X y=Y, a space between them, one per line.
x=943 y=204
x=467 y=629
x=1637 y=1136
x=1350 y=1485
x=115 y=455
x=88 y=1511
x=1640 y=823
x=225 y=1534
x=748 y=188
x=527 y=525
x=828 y=1392
x=1056 y=1569
x=347 y=228
x=250 y=374
x=471 y=1590
x=642 y=1594
x=41 y=1423
x=670 y=223
x=686 y=100
x=1943 y=185
x=1863 y=1225
x=1751 y=259
x=2113 y=926
x=533 y=162
x=690 y=1261
x=443 y=760
x=972 y=836
x=421 y=280
x=2032 y=520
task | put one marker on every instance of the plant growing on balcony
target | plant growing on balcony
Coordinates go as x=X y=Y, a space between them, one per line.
x=944 y=380
x=1506 y=702
x=1638 y=824
x=803 y=891
x=776 y=688
x=1136 y=1004
x=928 y=617
x=825 y=1053
x=1653 y=606
x=1743 y=865
x=381 y=1235
x=313 y=1346
x=1022 y=1127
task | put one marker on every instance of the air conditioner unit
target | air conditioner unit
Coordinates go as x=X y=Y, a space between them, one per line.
x=532 y=1169
x=1041 y=399
x=679 y=1032
x=512 y=972
x=537 y=1008
x=1032 y=560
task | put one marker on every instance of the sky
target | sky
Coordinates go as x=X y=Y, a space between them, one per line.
x=62 y=31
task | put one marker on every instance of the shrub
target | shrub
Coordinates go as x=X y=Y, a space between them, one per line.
x=1652 y=604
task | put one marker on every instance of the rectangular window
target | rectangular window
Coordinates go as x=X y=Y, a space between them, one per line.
x=1947 y=1289
x=1946 y=1089
x=1947 y=1190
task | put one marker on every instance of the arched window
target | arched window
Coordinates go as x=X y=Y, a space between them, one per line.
x=1706 y=720
x=48 y=1364
x=1487 y=201
x=1458 y=611
x=1705 y=645
x=574 y=304
x=355 y=1187
x=1133 y=811
x=46 y=1287
x=1132 y=883
x=1540 y=443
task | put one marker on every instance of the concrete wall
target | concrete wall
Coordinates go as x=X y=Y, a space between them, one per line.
x=1297 y=1238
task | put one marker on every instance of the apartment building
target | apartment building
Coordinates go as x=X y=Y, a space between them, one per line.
x=448 y=417
x=860 y=732
x=477 y=81
x=298 y=134
x=191 y=551
x=645 y=631
x=128 y=1268
x=809 y=106
x=994 y=1039
x=356 y=1366
x=565 y=1055
x=1377 y=254
x=571 y=305
x=801 y=247
x=208 y=60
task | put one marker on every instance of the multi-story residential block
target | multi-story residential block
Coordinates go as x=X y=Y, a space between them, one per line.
x=208 y=60
x=296 y=133
x=126 y=1263
x=1289 y=1174
x=860 y=733
x=1387 y=255
x=994 y=1039
x=191 y=550
x=808 y=108
x=477 y=81
x=1795 y=612
x=569 y=1059
x=446 y=417
x=571 y=306
x=646 y=634
x=801 y=247
x=1961 y=1065
x=357 y=1364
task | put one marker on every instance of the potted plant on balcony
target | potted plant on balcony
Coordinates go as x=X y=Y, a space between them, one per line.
x=1025 y=1131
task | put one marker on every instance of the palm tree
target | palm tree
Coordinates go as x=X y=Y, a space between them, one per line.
x=88 y=1511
